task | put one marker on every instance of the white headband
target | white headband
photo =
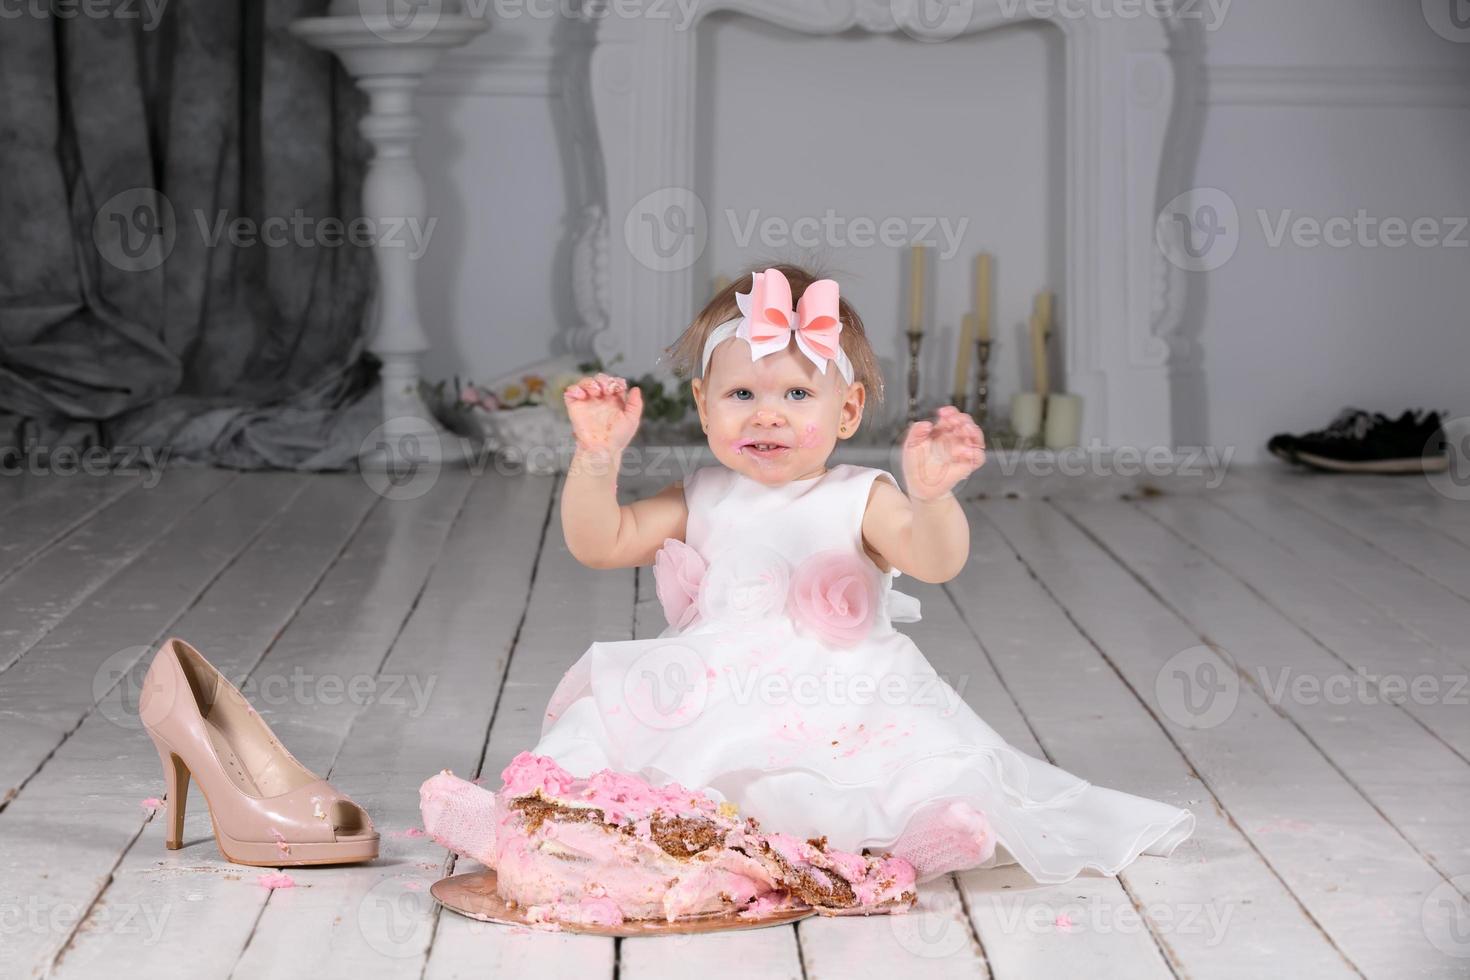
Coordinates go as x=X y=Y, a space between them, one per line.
x=767 y=323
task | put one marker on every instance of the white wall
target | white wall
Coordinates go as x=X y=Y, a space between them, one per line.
x=1323 y=107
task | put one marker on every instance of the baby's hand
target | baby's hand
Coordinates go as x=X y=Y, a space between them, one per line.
x=604 y=412
x=937 y=455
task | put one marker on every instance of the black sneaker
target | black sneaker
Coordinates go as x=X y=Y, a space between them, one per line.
x=1412 y=443
x=1284 y=444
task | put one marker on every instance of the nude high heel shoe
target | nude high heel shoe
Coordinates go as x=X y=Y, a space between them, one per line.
x=267 y=809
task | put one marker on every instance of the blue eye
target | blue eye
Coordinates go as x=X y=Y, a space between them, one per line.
x=744 y=395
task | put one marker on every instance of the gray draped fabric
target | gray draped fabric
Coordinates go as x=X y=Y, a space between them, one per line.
x=242 y=354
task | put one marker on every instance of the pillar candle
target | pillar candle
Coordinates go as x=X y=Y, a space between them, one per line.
x=1026 y=414
x=1063 y=420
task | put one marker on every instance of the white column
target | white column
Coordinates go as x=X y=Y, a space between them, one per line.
x=389 y=56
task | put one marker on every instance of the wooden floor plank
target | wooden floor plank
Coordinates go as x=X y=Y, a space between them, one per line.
x=1216 y=907
x=183 y=894
x=1366 y=737
x=366 y=567
x=377 y=919
x=570 y=606
x=1420 y=547
x=1390 y=664
x=1259 y=766
x=45 y=696
x=42 y=594
x=1418 y=603
x=61 y=855
x=59 y=505
x=1056 y=643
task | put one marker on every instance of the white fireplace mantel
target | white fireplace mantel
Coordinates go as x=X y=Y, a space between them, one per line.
x=1120 y=300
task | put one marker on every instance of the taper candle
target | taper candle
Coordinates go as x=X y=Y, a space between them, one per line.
x=982 y=295
x=916 y=289
x=962 y=362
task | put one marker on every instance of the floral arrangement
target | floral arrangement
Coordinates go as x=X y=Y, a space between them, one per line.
x=456 y=401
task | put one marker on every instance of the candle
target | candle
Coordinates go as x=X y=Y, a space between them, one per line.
x=1063 y=420
x=962 y=362
x=1026 y=414
x=916 y=289
x=982 y=295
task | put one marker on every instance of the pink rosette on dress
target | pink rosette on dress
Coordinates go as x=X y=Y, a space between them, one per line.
x=835 y=594
x=678 y=572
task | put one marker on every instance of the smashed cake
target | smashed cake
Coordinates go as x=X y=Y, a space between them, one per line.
x=612 y=848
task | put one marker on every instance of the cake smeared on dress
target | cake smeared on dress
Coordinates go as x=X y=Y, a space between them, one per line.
x=611 y=848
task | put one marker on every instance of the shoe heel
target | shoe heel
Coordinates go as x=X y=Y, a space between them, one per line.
x=176 y=779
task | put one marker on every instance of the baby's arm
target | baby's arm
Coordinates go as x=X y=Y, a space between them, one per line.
x=928 y=539
x=599 y=533
x=924 y=533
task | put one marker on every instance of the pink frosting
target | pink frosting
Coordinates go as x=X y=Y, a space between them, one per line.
x=527 y=773
x=622 y=797
x=835 y=595
x=678 y=570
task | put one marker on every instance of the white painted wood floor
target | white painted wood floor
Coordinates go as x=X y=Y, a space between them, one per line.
x=385 y=640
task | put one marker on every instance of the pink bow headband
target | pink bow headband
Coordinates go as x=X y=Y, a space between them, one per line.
x=767 y=322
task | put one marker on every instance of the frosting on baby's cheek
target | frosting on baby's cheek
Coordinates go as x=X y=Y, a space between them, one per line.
x=812 y=436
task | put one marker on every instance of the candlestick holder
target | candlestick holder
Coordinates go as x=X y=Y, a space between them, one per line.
x=981 y=410
x=916 y=337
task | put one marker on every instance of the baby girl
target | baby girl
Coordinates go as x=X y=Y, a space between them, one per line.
x=775 y=575
x=781 y=686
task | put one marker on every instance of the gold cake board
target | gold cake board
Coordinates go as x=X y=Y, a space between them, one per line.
x=474 y=895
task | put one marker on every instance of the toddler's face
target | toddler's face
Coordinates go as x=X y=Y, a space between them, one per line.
x=775 y=419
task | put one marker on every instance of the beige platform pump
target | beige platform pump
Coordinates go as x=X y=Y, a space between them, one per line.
x=267 y=809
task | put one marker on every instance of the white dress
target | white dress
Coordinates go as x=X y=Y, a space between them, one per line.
x=784 y=688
